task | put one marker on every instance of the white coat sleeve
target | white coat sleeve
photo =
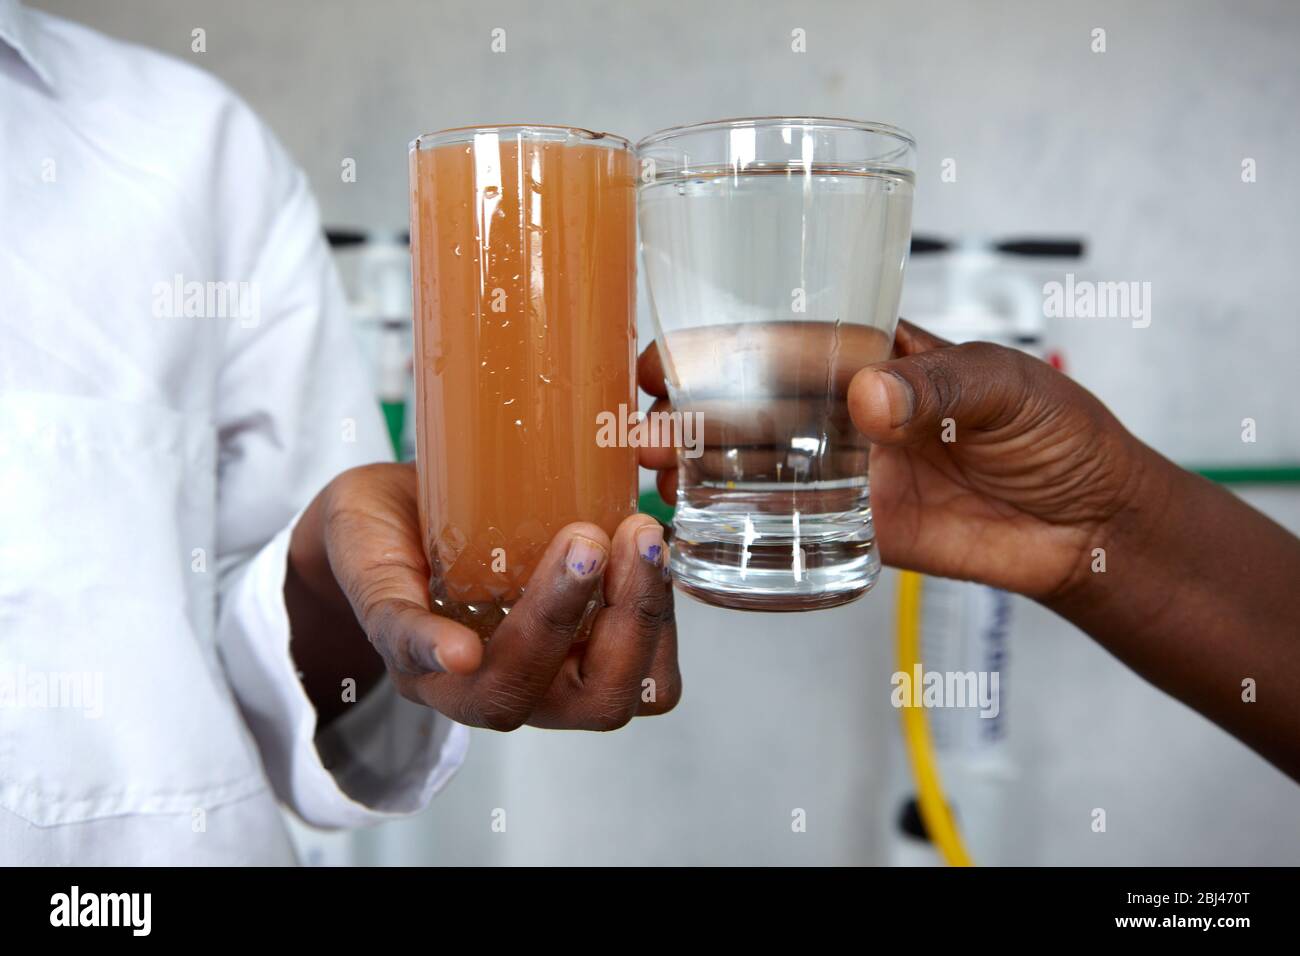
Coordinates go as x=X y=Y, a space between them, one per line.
x=295 y=409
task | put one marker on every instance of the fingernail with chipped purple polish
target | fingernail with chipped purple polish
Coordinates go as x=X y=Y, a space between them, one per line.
x=650 y=544
x=585 y=558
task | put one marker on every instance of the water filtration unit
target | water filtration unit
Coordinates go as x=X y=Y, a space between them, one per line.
x=959 y=631
x=376 y=273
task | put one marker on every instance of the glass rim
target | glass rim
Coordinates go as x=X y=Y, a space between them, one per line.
x=769 y=122
x=464 y=134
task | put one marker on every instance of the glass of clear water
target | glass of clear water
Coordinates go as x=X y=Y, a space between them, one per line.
x=774 y=251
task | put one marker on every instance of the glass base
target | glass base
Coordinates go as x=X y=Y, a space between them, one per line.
x=762 y=561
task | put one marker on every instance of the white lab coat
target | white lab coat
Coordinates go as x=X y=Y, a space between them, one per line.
x=151 y=465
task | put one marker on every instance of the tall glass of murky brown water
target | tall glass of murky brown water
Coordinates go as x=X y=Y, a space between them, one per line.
x=523 y=257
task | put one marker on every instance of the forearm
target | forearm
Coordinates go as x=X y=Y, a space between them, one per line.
x=1200 y=594
x=327 y=643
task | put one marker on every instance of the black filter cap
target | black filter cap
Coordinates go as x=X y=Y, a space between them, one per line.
x=928 y=245
x=1043 y=248
x=910 y=822
x=342 y=238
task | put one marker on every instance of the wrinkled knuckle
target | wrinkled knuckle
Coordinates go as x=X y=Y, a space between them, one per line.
x=1023 y=373
x=502 y=721
x=945 y=387
x=342 y=523
x=647 y=611
x=555 y=622
x=337 y=518
x=501 y=717
x=1010 y=384
x=505 y=705
x=612 y=711
x=606 y=722
x=1030 y=373
x=379 y=614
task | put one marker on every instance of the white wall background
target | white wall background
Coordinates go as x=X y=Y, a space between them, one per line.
x=1139 y=149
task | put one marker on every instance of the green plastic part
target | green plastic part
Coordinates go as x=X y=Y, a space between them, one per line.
x=651 y=504
x=395 y=416
x=1252 y=474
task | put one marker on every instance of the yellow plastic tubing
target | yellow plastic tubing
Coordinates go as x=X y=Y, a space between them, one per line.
x=939 y=823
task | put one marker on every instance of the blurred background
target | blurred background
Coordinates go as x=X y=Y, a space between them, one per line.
x=1162 y=149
